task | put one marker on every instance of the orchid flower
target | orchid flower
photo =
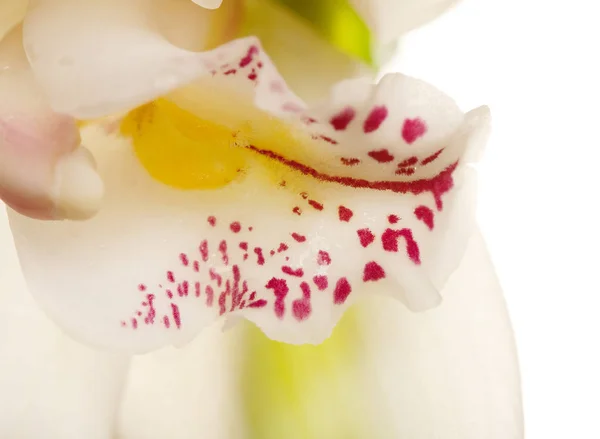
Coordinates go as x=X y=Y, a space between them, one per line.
x=234 y=199
x=226 y=197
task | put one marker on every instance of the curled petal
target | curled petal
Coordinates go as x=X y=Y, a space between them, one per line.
x=44 y=172
x=389 y=19
x=93 y=75
x=309 y=210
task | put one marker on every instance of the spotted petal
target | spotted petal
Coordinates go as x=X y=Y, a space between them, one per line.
x=308 y=209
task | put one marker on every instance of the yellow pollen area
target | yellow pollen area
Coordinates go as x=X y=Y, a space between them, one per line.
x=181 y=150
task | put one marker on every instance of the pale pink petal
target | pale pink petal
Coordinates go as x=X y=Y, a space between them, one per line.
x=44 y=172
x=289 y=250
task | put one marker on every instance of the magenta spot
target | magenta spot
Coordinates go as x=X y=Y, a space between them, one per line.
x=375 y=119
x=142 y=287
x=197 y=289
x=316 y=205
x=214 y=276
x=304 y=195
x=166 y=322
x=373 y=272
x=342 y=291
x=291 y=272
x=169 y=293
x=170 y=276
x=327 y=139
x=196 y=266
x=183 y=288
x=408 y=162
x=272 y=252
x=390 y=238
x=366 y=237
x=297 y=210
x=258 y=304
x=134 y=323
x=342 y=119
x=244 y=246
x=282 y=247
x=349 y=161
x=381 y=155
x=413 y=129
x=247 y=59
x=230 y=72
x=260 y=257
x=301 y=308
x=280 y=290
x=321 y=282
x=433 y=157
x=298 y=237
x=209 y=292
x=345 y=214
x=151 y=313
x=184 y=259
x=323 y=258
x=425 y=214
x=252 y=76
x=393 y=219
x=223 y=250
x=204 y=250
x=212 y=221
x=405 y=171
x=176 y=315
x=235 y=227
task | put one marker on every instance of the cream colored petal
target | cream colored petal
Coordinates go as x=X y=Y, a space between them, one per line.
x=389 y=19
x=452 y=372
x=52 y=387
x=184 y=393
x=120 y=58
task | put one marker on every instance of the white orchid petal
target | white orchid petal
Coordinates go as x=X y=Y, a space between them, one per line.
x=208 y=4
x=119 y=59
x=366 y=193
x=389 y=19
x=52 y=387
x=450 y=373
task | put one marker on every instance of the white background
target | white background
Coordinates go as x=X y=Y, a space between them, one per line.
x=536 y=64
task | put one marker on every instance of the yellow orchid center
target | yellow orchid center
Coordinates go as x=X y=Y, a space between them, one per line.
x=181 y=150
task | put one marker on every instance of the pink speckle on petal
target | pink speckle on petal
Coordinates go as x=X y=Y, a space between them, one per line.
x=425 y=214
x=323 y=258
x=301 y=308
x=170 y=276
x=432 y=157
x=373 y=272
x=390 y=238
x=375 y=119
x=350 y=161
x=342 y=119
x=413 y=129
x=235 y=227
x=321 y=282
x=280 y=290
x=212 y=221
x=393 y=219
x=381 y=156
x=345 y=214
x=291 y=272
x=411 y=161
x=252 y=50
x=366 y=237
x=342 y=291
x=298 y=237
x=315 y=204
x=184 y=259
x=176 y=315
